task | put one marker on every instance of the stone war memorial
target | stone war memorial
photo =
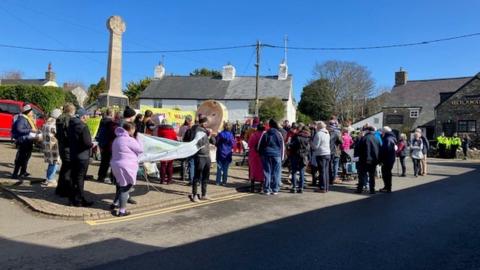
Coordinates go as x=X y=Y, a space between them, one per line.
x=114 y=95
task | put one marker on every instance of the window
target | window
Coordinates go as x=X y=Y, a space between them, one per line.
x=414 y=113
x=157 y=103
x=394 y=119
x=467 y=126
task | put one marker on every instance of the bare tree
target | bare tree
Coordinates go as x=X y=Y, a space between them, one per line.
x=12 y=75
x=352 y=85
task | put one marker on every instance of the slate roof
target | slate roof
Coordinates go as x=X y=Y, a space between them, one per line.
x=424 y=94
x=23 y=81
x=201 y=88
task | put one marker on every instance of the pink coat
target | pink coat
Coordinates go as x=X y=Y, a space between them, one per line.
x=347 y=142
x=125 y=152
x=254 y=160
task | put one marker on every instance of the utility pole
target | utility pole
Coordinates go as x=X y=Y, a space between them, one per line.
x=257 y=66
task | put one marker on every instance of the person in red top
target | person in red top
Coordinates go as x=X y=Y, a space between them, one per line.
x=166 y=167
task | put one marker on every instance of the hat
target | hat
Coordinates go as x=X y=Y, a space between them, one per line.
x=81 y=112
x=203 y=120
x=128 y=112
x=56 y=113
x=26 y=108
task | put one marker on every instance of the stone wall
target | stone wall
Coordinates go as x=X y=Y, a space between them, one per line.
x=407 y=123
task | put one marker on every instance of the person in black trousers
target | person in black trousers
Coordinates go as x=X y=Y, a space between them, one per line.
x=367 y=151
x=402 y=153
x=80 y=144
x=105 y=137
x=64 y=185
x=387 y=157
x=202 y=160
x=23 y=131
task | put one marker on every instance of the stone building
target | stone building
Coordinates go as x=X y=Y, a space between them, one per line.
x=49 y=80
x=235 y=92
x=459 y=111
x=411 y=104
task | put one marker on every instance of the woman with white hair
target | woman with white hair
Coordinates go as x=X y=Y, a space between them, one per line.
x=417 y=152
x=50 y=148
x=321 y=148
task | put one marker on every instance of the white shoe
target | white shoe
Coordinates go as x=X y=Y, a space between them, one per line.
x=107 y=181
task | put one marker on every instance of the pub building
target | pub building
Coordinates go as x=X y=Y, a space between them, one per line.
x=448 y=105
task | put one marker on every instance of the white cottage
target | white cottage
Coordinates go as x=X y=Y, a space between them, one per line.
x=237 y=93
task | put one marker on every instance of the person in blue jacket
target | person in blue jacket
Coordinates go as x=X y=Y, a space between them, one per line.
x=24 y=131
x=271 y=148
x=224 y=143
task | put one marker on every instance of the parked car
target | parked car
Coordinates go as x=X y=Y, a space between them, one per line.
x=9 y=110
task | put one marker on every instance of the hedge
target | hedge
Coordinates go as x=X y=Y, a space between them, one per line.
x=46 y=97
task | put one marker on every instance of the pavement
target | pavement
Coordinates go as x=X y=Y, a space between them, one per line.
x=150 y=195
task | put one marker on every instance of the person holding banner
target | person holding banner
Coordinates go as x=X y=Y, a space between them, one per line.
x=202 y=159
x=166 y=167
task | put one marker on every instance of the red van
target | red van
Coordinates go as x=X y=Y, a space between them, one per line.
x=9 y=109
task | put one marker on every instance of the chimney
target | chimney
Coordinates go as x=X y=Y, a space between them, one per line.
x=228 y=73
x=50 y=75
x=159 y=72
x=283 y=71
x=401 y=77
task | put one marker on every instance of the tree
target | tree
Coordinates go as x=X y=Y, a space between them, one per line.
x=12 y=75
x=303 y=118
x=94 y=90
x=205 y=72
x=47 y=97
x=71 y=98
x=271 y=108
x=317 y=100
x=352 y=84
x=135 y=89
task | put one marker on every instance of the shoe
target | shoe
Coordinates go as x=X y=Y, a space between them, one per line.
x=274 y=193
x=205 y=198
x=107 y=181
x=266 y=193
x=126 y=213
x=193 y=198
x=320 y=190
x=403 y=175
x=131 y=201
x=384 y=190
x=85 y=203
x=14 y=176
x=49 y=184
x=293 y=191
x=300 y=191
x=24 y=175
x=113 y=206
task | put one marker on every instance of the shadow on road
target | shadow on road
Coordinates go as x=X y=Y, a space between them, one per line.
x=431 y=226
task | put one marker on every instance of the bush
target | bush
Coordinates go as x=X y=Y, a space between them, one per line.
x=302 y=118
x=46 y=97
x=271 y=108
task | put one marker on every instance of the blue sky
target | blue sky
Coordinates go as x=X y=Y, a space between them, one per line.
x=197 y=24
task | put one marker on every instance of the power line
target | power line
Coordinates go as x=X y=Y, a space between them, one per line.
x=374 y=47
x=243 y=46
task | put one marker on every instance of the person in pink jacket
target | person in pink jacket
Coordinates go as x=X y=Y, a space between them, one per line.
x=254 y=159
x=346 y=154
x=124 y=164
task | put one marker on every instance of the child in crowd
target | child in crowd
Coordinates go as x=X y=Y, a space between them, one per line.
x=50 y=148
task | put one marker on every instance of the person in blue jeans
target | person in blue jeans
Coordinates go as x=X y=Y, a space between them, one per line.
x=224 y=143
x=299 y=152
x=271 y=148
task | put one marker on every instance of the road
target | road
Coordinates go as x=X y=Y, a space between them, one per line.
x=429 y=222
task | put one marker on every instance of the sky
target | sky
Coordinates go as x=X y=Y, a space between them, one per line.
x=181 y=24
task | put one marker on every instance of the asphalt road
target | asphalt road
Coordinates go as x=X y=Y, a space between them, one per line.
x=427 y=223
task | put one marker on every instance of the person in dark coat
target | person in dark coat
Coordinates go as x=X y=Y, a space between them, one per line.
x=272 y=149
x=367 y=151
x=80 y=144
x=24 y=131
x=335 y=150
x=465 y=145
x=64 y=185
x=299 y=153
x=202 y=160
x=387 y=157
x=402 y=153
x=105 y=137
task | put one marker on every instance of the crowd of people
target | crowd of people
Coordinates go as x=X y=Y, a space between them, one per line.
x=323 y=147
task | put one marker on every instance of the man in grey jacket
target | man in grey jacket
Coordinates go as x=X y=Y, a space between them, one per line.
x=321 y=151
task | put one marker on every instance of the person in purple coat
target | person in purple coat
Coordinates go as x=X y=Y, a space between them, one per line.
x=224 y=143
x=124 y=163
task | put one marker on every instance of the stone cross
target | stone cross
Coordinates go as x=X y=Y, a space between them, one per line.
x=114 y=72
x=114 y=95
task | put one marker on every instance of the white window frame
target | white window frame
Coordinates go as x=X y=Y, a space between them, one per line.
x=414 y=113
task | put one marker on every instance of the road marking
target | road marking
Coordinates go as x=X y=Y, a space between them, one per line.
x=165 y=210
